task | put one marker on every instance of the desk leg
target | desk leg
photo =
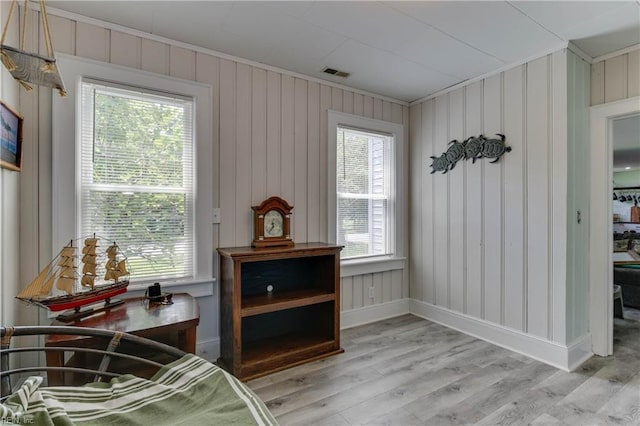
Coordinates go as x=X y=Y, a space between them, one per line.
x=55 y=359
x=187 y=340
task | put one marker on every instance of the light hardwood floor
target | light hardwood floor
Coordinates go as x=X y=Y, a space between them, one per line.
x=407 y=371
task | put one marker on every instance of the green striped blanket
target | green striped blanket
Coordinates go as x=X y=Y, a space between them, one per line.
x=188 y=391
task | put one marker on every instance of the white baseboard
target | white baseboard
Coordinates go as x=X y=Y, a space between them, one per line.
x=367 y=314
x=560 y=356
x=564 y=357
x=579 y=351
x=208 y=349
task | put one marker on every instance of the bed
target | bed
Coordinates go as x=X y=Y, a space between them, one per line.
x=169 y=387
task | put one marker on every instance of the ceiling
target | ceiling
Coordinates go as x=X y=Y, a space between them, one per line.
x=402 y=50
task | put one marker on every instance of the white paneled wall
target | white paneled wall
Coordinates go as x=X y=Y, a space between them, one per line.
x=489 y=241
x=578 y=72
x=616 y=78
x=269 y=139
x=9 y=193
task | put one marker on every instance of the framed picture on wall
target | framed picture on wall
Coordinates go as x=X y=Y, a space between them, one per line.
x=10 y=137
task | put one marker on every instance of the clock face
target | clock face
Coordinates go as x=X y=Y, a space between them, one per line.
x=273 y=224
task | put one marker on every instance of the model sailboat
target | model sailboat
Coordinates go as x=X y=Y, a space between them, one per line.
x=59 y=286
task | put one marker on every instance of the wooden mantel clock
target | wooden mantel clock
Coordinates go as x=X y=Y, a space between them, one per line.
x=271 y=223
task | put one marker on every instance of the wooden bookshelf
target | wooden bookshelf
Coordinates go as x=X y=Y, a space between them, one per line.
x=279 y=307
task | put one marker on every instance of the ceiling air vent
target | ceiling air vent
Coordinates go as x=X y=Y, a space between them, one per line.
x=336 y=72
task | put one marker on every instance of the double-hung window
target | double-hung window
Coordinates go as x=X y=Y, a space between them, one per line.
x=136 y=180
x=133 y=163
x=365 y=189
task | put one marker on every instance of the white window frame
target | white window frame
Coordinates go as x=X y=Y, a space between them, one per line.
x=66 y=162
x=369 y=264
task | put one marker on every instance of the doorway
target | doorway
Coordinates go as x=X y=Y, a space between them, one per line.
x=600 y=212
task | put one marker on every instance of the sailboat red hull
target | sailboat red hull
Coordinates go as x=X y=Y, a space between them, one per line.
x=72 y=301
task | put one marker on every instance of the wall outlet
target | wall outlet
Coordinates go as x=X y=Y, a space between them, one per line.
x=372 y=292
x=216 y=215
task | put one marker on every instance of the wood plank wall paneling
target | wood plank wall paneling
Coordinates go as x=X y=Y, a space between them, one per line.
x=492 y=204
x=258 y=136
x=243 y=170
x=274 y=127
x=474 y=212
x=65 y=36
x=228 y=168
x=125 y=49
x=92 y=42
x=558 y=193
x=496 y=223
x=287 y=138
x=441 y=205
x=537 y=193
x=182 y=63
x=456 y=207
x=577 y=291
x=514 y=218
x=270 y=138
x=417 y=168
x=313 y=161
x=616 y=78
x=300 y=160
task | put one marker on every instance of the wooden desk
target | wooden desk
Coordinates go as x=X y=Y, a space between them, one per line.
x=171 y=324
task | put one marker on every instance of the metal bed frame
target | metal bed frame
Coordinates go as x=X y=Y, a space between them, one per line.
x=114 y=338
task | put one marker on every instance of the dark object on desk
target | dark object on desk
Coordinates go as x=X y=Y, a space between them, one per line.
x=155 y=295
x=164 y=299
x=154 y=291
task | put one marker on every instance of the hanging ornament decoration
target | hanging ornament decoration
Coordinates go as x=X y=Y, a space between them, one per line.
x=472 y=149
x=31 y=68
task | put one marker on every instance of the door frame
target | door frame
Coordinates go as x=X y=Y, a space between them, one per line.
x=601 y=221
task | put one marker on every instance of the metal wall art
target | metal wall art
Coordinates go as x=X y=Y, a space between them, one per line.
x=472 y=149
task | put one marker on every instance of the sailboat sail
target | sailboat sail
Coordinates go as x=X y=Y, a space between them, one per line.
x=115 y=269
x=67 y=265
x=48 y=286
x=89 y=269
x=65 y=284
x=122 y=268
x=41 y=285
x=88 y=281
x=89 y=260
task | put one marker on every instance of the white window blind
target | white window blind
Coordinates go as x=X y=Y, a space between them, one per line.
x=363 y=190
x=137 y=177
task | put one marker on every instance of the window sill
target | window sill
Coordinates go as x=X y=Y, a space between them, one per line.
x=196 y=288
x=370 y=265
